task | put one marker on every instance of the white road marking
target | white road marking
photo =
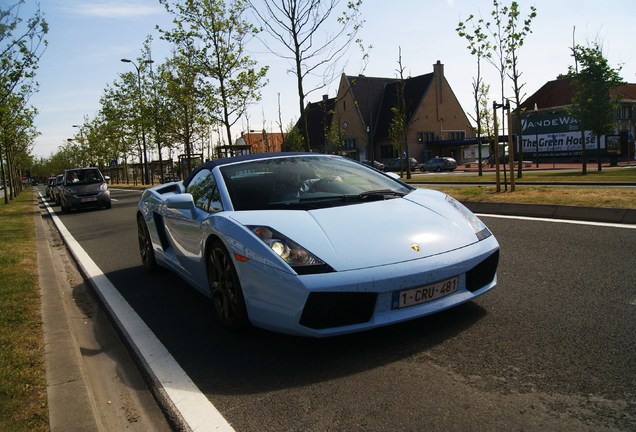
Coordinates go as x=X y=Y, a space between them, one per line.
x=566 y=221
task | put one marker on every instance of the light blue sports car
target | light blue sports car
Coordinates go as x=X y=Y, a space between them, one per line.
x=313 y=244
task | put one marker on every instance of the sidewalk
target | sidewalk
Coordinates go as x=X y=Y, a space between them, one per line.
x=92 y=382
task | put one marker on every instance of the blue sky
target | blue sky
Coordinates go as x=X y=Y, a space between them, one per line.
x=87 y=39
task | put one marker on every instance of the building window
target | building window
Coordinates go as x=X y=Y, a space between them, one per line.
x=456 y=135
x=350 y=144
x=624 y=113
x=425 y=137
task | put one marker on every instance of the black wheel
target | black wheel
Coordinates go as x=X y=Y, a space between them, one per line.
x=145 y=246
x=438 y=169
x=225 y=289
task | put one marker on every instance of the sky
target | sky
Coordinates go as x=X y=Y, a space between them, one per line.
x=87 y=39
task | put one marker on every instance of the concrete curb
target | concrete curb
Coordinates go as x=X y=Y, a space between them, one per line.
x=71 y=405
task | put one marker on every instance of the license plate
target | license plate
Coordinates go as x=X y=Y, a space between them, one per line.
x=415 y=296
x=89 y=199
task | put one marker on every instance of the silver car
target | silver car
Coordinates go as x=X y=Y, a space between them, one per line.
x=84 y=188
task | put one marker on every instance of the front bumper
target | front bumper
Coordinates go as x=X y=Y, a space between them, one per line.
x=352 y=301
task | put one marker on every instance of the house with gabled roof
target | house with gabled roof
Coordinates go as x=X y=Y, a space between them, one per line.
x=437 y=124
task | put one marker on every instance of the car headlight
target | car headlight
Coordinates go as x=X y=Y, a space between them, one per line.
x=103 y=187
x=481 y=230
x=296 y=256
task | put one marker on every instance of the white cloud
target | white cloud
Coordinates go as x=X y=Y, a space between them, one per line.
x=116 y=9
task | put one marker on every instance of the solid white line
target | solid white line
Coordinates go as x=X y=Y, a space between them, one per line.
x=566 y=221
x=195 y=410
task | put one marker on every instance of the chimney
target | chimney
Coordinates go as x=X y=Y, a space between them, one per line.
x=438 y=69
x=438 y=77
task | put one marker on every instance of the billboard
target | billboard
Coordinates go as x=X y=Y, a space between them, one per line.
x=556 y=133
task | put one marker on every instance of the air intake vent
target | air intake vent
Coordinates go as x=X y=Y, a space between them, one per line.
x=483 y=273
x=336 y=309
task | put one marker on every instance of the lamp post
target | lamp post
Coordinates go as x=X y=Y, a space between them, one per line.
x=143 y=132
x=536 y=134
x=82 y=144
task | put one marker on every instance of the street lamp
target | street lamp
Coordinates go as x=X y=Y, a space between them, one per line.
x=83 y=150
x=536 y=133
x=143 y=132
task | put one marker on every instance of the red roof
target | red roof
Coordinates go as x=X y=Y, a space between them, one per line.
x=560 y=92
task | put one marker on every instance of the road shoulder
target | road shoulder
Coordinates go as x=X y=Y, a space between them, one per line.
x=93 y=383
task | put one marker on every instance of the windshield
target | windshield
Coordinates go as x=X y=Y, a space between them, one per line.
x=306 y=182
x=79 y=177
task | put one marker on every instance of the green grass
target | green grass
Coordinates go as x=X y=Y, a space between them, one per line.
x=23 y=399
x=590 y=196
x=566 y=196
x=608 y=175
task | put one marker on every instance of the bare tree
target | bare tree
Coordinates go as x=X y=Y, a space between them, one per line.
x=314 y=35
x=479 y=47
x=515 y=34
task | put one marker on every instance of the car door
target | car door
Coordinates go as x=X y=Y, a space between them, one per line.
x=184 y=226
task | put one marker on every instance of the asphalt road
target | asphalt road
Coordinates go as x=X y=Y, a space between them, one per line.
x=551 y=348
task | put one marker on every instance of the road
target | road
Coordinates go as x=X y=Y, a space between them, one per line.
x=551 y=348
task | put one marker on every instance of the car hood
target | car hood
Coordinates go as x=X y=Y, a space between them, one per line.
x=371 y=234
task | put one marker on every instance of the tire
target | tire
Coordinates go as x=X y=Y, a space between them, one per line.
x=145 y=246
x=225 y=289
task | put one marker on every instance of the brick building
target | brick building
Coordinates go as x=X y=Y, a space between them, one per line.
x=437 y=124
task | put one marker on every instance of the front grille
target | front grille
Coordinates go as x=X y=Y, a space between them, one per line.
x=336 y=309
x=483 y=273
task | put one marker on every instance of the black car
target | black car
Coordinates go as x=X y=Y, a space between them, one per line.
x=438 y=164
x=375 y=164
x=395 y=165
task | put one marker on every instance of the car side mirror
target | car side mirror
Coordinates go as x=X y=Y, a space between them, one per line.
x=181 y=202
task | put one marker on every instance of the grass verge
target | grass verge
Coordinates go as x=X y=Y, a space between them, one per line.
x=23 y=398
x=550 y=195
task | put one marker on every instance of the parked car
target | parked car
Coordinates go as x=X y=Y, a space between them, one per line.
x=375 y=164
x=57 y=188
x=394 y=164
x=83 y=188
x=438 y=164
x=170 y=179
x=313 y=244
x=50 y=184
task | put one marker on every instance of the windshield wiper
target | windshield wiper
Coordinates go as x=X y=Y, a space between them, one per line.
x=373 y=195
x=381 y=193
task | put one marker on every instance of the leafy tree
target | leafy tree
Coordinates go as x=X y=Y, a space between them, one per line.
x=16 y=140
x=115 y=114
x=183 y=98
x=298 y=28
x=220 y=32
x=592 y=105
x=293 y=139
x=21 y=46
